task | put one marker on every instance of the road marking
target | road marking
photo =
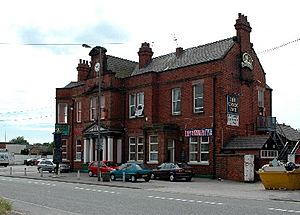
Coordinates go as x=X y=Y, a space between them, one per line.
x=185 y=200
x=283 y=210
x=95 y=190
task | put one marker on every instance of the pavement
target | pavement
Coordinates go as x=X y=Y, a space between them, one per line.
x=198 y=186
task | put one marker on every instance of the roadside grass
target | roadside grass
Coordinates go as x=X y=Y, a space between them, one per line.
x=5 y=206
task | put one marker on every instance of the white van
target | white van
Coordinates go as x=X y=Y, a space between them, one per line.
x=4 y=161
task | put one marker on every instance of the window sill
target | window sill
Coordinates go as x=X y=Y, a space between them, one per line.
x=152 y=162
x=198 y=163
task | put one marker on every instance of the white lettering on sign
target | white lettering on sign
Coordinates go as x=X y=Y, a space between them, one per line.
x=198 y=132
x=233 y=119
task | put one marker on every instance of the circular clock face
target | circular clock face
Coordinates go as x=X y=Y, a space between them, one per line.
x=97 y=67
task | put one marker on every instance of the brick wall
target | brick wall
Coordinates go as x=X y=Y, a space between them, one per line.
x=230 y=166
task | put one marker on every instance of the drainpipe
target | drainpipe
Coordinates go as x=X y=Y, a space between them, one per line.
x=214 y=127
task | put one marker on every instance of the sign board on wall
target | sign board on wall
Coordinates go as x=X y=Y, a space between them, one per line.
x=198 y=132
x=233 y=110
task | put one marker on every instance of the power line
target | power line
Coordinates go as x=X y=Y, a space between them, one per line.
x=277 y=47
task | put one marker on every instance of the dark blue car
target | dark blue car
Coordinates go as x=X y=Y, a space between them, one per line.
x=132 y=171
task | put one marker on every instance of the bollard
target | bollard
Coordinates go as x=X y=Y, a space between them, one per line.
x=78 y=174
x=10 y=171
x=41 y=172
x=124 y=177
x=58 y=171
x=25 y=171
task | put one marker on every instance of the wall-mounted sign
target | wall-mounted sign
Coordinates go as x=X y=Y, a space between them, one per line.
x=198 y=132
x=233 y=119
x=247 y=61
x=62 y=128
x=232 y=104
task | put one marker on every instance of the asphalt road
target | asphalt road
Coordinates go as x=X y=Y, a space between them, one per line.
x=35 y=197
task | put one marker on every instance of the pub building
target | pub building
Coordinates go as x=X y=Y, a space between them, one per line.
x=207 y=105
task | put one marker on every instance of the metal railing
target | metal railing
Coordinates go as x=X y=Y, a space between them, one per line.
x=266 y=123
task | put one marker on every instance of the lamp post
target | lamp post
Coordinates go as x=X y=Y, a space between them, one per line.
x=98 y=69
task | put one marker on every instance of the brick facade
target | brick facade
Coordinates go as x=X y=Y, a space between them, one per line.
x=220 y=67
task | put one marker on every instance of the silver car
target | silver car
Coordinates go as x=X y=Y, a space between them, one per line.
x=46 y=165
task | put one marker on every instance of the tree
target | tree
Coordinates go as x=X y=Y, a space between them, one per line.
x=19 y=140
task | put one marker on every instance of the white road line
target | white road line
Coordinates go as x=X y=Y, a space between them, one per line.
x=185 y=200
x=283 y=210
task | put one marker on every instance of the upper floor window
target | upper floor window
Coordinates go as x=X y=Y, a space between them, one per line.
x=261 y=99
x=103 y=110
x=198 y=97
x=62 y=113
x=78 y=111
x=93 y=109
x=176 y=101
x=136 y=105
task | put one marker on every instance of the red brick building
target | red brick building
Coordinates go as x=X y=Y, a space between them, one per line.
x=184 y=106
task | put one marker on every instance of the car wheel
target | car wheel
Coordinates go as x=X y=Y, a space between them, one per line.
x=147 y=179
x=90 y=173
x=112 y=177
x=133 y=178
x=188 y=178
x=50 y=171
x=153 y=177
x=172 y=178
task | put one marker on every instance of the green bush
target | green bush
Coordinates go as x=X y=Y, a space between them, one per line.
x=5 y=206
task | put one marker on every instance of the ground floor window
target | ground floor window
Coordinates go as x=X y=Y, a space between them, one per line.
x=78 y=150
x=268 y=153
x=136 y=148
x=64 y=149
x=199 y=149
x=153 y=148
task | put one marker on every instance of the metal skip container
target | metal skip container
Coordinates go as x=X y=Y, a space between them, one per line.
x=279 y=177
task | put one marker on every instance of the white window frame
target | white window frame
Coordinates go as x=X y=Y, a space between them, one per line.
x=78 y=151
x=62 y=116
x=78 y=111
x=136 y=143
x=135 y=100
x=199 y=109
x=176 y=102
x=151 y=151
x=196 y=154
x=64 y=148
x=269 y=154
x=93 y=108
x=102 y=107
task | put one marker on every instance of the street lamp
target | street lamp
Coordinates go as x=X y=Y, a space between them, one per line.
x=98 y=69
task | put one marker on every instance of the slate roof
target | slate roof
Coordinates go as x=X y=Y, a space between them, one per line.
x=122 y=67
x=290 y=133
x=191 y=56
x=73 y=84
x=247 y=142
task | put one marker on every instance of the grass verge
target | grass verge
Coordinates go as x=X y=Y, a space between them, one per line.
x=5 y=206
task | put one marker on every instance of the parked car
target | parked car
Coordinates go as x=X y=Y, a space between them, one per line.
x=133 y=171
x=46 y=165
x=65 y=166
x=105 y=166
x=173 y=171
x=39 y=160
x=30 y=161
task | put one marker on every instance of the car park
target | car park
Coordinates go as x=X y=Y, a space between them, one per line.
x=173 y=171
x=104 y=167
x=132 y=171
x=46 y=165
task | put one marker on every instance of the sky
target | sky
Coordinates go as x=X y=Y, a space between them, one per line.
x=30 y=74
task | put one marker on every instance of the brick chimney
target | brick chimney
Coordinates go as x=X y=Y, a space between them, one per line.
x=179 y=51
x=145 y=55
x=83 y=70
x=243 y=30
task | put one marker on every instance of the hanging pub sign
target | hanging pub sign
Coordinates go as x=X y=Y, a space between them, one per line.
x=233 y=110
x=198 y=132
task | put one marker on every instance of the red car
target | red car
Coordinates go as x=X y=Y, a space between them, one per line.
x=105 y=166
